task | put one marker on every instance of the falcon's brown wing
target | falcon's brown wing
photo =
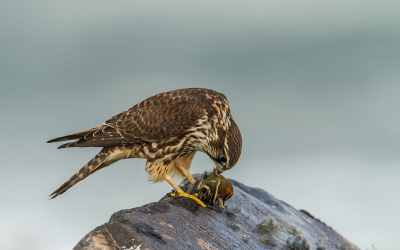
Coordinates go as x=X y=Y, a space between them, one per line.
x=100 y=136
x=157 y=118
x=155 y=121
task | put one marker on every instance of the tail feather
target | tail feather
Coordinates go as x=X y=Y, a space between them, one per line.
x=98 y=162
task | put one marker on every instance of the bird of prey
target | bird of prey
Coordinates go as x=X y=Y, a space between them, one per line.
x=167 y=129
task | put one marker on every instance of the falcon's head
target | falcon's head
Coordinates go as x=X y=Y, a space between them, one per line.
x=226 y=151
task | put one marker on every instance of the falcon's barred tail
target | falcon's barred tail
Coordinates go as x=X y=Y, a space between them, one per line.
x=104 y=158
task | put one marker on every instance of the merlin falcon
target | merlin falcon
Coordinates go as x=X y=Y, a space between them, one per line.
x=167 y=130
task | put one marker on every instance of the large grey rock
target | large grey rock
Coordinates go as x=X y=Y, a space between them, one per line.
x=179 y=223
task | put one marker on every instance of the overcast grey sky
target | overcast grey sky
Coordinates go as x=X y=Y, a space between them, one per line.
x=313 y=85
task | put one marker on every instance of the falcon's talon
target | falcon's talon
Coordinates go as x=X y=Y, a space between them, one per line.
x=181 y=193
x=220 y=203
x=193 y=197
x=172 y=193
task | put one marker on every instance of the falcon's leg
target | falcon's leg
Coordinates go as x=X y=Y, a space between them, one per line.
x=180 y=192
x=183 y=164
x=188 y=175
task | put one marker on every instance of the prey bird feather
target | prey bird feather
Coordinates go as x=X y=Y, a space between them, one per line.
x=167 y=130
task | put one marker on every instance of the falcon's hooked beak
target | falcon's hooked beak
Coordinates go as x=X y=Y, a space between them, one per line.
x=219 y=169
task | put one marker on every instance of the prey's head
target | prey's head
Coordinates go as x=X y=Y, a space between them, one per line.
x=227 y=191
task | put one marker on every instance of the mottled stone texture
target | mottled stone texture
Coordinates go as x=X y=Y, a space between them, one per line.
x=179 y=223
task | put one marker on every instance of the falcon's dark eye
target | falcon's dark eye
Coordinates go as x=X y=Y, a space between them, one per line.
x=222 y=160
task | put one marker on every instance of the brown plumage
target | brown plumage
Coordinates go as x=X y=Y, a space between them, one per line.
x=167 y=129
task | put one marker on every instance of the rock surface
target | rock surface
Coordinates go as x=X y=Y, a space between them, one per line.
x=254 y=219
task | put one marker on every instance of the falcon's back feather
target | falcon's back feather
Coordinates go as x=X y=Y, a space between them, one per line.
x=159 y=117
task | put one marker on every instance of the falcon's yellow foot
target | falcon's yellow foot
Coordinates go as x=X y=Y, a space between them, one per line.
x=220 y=203
x=193 y=197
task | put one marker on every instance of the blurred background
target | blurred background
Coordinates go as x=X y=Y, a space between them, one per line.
x=313 y=85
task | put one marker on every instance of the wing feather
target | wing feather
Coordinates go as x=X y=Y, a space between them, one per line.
x=75 y=136
x=154 y=122
x=100 y=136
x=159 y=117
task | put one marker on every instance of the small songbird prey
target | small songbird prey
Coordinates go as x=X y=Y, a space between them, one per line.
x=167 y=129
x=210 y=187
